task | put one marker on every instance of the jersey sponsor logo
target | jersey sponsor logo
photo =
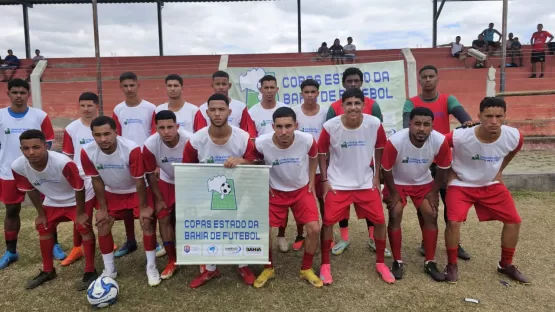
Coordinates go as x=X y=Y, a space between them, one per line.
x=109 y=166
x=215 y=159
x=347 y=144
x=284 y=161
x=310 y=130
x=85 y=141
x=490 y=159
x=171 y=159
x=15 y=130
x=410 y=160
x=127 y=121
x=223 y=193
x=44 y=181
x=264 y=123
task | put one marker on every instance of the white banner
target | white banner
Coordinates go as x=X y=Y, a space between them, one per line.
x=221 y=214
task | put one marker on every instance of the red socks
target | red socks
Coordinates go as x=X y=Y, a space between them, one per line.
x=307 y=261
x=170 y=251
x=106 y=244
x=46 y=246
x=129 y=222
x=325 y=249
x=11 y=241
x=430 y=243
x=380 y=250
x=371 y=232
x=77 y=239
x=149 y=242
x=395 y=239
x=271 y=265
x=89 y=250
x=452 y=255
x=344 y=233
x=506 y=256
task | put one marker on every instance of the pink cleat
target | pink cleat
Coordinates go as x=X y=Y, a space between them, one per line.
x=325 y=274
x=385 y=273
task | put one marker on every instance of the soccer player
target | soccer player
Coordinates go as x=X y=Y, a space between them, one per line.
x=261 y=115
x=310 y=118
x=160 y=151
x=351 y=142
x=117 y=170
x=77 y=134
x=188 y=115
x=220 y=143
x=14 y=120
x=133 y=119
x=442 y=105
x=353 y=78
x=480 y=154
x=406 y=162
x=239 y=111
x=67 y=197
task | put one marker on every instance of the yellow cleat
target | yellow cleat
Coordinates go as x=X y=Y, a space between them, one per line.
x=264 y=277
x=312 y=278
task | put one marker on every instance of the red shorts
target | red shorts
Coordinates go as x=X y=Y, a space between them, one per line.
x=9 y=193
x=415 y=192
x=117 y=203
x=56 y=215
x=493 y=202
x=318 y=187
x=368 y=205
x=168 y=195
x=301 y=202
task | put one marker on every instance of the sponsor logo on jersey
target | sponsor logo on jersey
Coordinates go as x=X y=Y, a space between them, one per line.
x=348 y=144
x=490 y=159
x=410 y=160
x=171 y=159
x=85 y=141
x=109 y=166
x=127 y=121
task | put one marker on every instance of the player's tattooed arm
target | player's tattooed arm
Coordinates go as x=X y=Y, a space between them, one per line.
x=34 y=196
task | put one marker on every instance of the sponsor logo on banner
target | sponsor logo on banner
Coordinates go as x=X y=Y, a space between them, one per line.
x=233 y=250
x=212 y=250
x=192 y=250
x=254 y=250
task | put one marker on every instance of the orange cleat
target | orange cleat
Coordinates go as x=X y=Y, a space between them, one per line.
x=75 y=254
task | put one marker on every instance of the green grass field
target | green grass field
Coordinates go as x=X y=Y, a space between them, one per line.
x=356 y=285
x=228 y=203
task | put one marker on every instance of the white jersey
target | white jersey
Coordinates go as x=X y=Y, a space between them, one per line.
x=477 y=163
x=289 y=170
x=134 y=123
x=157 y=154
x=262 y=117
x=237 y=110
x=187 y=117
x=10 y=130
x=351 y=152
x=202 y=149
x=119 y=169
x=76 y=135
x=311 y=124
x=410 y=164
x=57 y=182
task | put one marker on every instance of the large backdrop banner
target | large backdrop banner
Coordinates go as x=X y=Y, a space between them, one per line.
x=383 y=82
x=221 y=214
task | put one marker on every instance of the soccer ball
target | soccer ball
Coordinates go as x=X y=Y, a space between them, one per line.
x=226 y=188
x=103 y=292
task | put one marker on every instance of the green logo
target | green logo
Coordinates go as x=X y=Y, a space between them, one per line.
x=82 y=141
x=263 y=123
x=210 y=160
x=476 y=157
x=125 y=122
x=36 y=183
x=222 y=192
x=164 y=159
x=7 y=131
x=405 y=160
x=99 y=166
x=344 y=145
x=276 y=162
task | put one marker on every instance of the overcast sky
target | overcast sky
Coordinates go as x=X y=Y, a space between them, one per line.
x=259 y=27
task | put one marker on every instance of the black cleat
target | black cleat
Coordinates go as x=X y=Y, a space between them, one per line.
x=40 y=279
x=431 y=269
x=462 y=254
x=397 y=270
x=512 y=272
x=451 y=273
x=87 y=280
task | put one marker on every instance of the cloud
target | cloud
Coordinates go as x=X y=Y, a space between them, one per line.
x=258 y=27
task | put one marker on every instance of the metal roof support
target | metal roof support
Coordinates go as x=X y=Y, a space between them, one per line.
x=299 y=23
x=97 y=56
x=159 y=6
x=26 y=31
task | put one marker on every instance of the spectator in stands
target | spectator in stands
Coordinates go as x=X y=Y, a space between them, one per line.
x=9 y=66
x=323 y=52
x=36 y=59
x=350 y=50
x=539 y=42
x=457 y=48
x=337 y=52
x=481 y=45
x=488 y=34
x=514 y=49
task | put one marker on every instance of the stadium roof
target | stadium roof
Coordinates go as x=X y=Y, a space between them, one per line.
x=31 y=2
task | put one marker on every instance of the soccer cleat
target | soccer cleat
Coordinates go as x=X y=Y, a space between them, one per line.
x=266 y=275
x=203 y=278
x=127 y=248
x=75 y=254
x=372 y=245
x=311 y=278
x=115 y=247
x=325 y=274
x=168 y=270
x=283 y=246
x=88 y=278
x=422 y=250
x=451 y=273
x=247 y=275
x=385 y=273
x=431 y=269
x=59 y=253
x=160 y=251
x=7 y=259
x=40 y=279
x=298 y=244
x=202 y=268
x=512 y=272
x=462 y=254
x=112 y=274
x=153 y=275
x=397 y=269
x=340 y=247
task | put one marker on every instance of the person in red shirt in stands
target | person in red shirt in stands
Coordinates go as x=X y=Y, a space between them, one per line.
x=538 y=42
x=442 y=105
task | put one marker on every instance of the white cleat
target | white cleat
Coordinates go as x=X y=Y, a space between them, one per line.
x=283 y=246
x=112 y=273
x=153 y=276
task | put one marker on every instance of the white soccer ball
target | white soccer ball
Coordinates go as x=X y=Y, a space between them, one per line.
x=226 y=188
x=103 y=292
